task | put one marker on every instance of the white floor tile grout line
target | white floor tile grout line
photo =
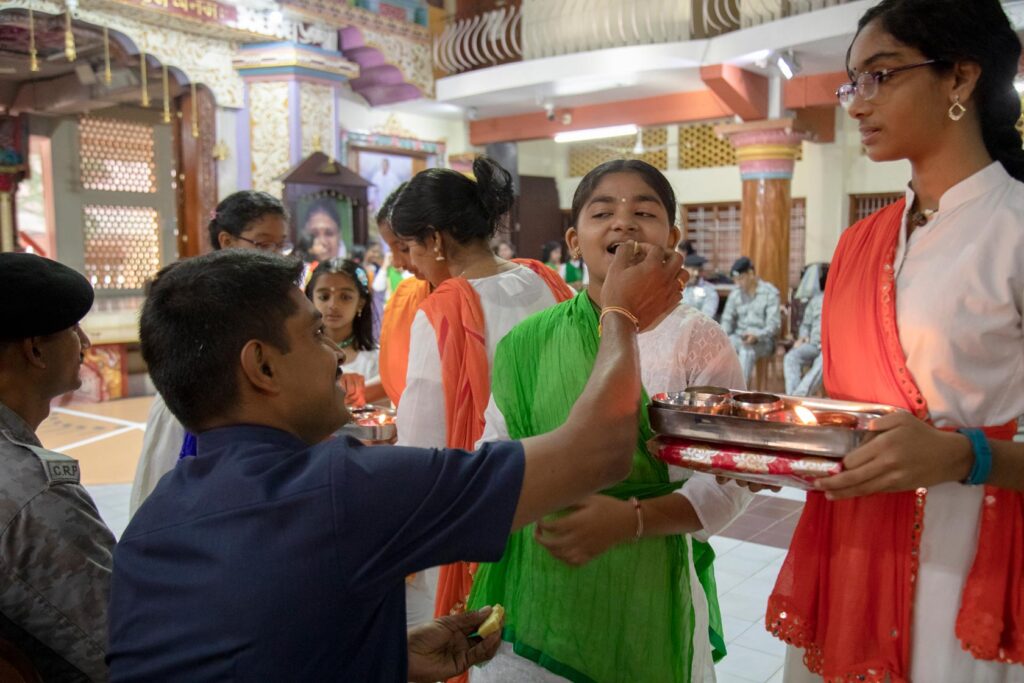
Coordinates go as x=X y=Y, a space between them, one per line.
x=102 y=418
x=98 y=437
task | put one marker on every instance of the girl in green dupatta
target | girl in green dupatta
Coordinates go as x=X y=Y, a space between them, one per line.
x=619 y=587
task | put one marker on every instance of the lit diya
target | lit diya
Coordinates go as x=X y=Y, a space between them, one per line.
x=370 y=423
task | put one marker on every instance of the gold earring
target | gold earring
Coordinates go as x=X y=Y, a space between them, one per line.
x=957 y=110
x=577 y=254
x=438 y=256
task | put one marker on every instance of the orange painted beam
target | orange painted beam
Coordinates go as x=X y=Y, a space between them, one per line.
x=744 y=92
x=818 y=90
x=650 y=111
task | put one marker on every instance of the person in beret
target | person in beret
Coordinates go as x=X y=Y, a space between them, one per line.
x=55 y=550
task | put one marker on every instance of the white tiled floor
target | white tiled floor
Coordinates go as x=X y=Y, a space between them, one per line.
x=746 y=575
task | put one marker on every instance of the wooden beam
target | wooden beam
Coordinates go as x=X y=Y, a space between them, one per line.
x=744 y=92
x=651 y=111
x=819 y=121
x=818 y=90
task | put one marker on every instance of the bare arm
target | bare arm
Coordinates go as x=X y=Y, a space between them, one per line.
x=594 y=448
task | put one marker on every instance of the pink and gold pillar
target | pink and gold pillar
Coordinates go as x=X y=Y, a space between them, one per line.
x=766 y=152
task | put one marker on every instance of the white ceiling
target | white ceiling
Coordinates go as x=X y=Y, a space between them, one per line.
x=819 y=40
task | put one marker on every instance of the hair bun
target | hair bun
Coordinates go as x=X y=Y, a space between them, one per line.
x=493 y=187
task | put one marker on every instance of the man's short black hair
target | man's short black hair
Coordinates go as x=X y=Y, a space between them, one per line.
x=198 y=315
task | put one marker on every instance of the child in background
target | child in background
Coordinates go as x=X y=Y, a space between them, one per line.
x=340 y=290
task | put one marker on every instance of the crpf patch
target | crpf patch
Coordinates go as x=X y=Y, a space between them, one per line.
x=62 y=471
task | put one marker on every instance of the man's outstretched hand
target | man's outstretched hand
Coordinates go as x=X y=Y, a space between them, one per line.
x=442 y=648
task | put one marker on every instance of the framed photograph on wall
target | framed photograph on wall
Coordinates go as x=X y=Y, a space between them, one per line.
x=386 y=158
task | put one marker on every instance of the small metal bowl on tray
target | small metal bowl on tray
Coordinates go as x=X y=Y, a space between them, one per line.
x=756 y=406
x=371 y=423
x=703 y=399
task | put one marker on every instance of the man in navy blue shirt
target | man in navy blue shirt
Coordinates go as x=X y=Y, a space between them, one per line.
x=280 y=554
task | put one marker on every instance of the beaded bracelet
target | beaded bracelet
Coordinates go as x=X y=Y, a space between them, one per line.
x=981 y=470
x=616 y=309
x=639 y=518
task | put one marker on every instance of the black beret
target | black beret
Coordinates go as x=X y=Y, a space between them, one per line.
x=39 y=296
x=742 y=265
x=694 y=261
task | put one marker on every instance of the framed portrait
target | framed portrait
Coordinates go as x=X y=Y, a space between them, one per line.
x=385 y=171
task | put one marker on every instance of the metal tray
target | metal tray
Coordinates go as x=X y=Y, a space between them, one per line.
x=376 y=432
x=670 y=418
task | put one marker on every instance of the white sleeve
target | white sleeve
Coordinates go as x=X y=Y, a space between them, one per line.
x=421 y=412
x=380 y=280
x=160 y=449
x=710 y=360
x=495 y=428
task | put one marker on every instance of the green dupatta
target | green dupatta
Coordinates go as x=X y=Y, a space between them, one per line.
x=628 y=614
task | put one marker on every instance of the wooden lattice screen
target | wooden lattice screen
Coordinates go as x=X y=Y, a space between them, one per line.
x=584 y=156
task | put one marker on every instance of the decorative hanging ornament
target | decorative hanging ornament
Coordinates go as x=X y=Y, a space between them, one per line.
x=107 y=76
x=33 y=54
x=167 y=97
x=145 y=78
x=195 y=112
x=69 y=38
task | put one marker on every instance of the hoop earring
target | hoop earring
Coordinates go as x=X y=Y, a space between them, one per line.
x=957 y=110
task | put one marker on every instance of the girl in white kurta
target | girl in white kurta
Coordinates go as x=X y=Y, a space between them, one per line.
x=926 y=595
x=443 y=217
x=605 y=598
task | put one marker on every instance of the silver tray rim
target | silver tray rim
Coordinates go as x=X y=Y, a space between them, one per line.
x=820 y=440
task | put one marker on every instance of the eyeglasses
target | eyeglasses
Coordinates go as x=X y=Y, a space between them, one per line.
x=866 y=84
x=283 y=247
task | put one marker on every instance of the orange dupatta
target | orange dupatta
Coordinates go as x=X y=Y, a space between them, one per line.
x=846 y=590
x=394 y=334
x=455 y=313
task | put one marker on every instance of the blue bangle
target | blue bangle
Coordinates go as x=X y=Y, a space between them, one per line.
x=982 y=467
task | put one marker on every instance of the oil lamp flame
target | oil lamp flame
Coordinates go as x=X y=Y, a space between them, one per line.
x=805 y=416
x=382 y=419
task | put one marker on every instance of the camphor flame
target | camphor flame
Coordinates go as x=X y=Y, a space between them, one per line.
x=805 y=416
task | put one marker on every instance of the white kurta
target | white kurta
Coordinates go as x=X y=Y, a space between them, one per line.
x=160 y=449
x=366 y=363
x=686 y=348
x=959 y=303
x=506 y=299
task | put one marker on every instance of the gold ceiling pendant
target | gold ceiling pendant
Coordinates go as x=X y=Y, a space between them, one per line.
x=69 y=38
x=167 y=96
x=145 y=78
x=33 y=54
x=107 y=76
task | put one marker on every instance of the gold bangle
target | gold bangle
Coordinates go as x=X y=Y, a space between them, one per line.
x=616 y=309
x=639 y=518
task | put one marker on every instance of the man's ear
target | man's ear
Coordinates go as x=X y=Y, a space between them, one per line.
x=31 y=350
x=257 y=363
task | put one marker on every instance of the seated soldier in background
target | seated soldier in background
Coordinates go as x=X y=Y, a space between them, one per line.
x=806 y=350
x=751 y=318
x=55 y=550
x=698 y=292
x=277 y=555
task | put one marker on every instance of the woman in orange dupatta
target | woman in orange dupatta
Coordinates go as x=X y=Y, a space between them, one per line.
x=910 y=564
x=400 y=309
x=445 y=218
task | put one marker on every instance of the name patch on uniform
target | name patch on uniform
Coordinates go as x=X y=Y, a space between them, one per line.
x=66 y=471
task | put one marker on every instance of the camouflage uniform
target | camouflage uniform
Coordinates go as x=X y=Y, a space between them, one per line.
x=55 y=559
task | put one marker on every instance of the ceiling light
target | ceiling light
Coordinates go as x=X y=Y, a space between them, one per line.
x=1019 y=85
x=596 y=133
x=788 y=65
